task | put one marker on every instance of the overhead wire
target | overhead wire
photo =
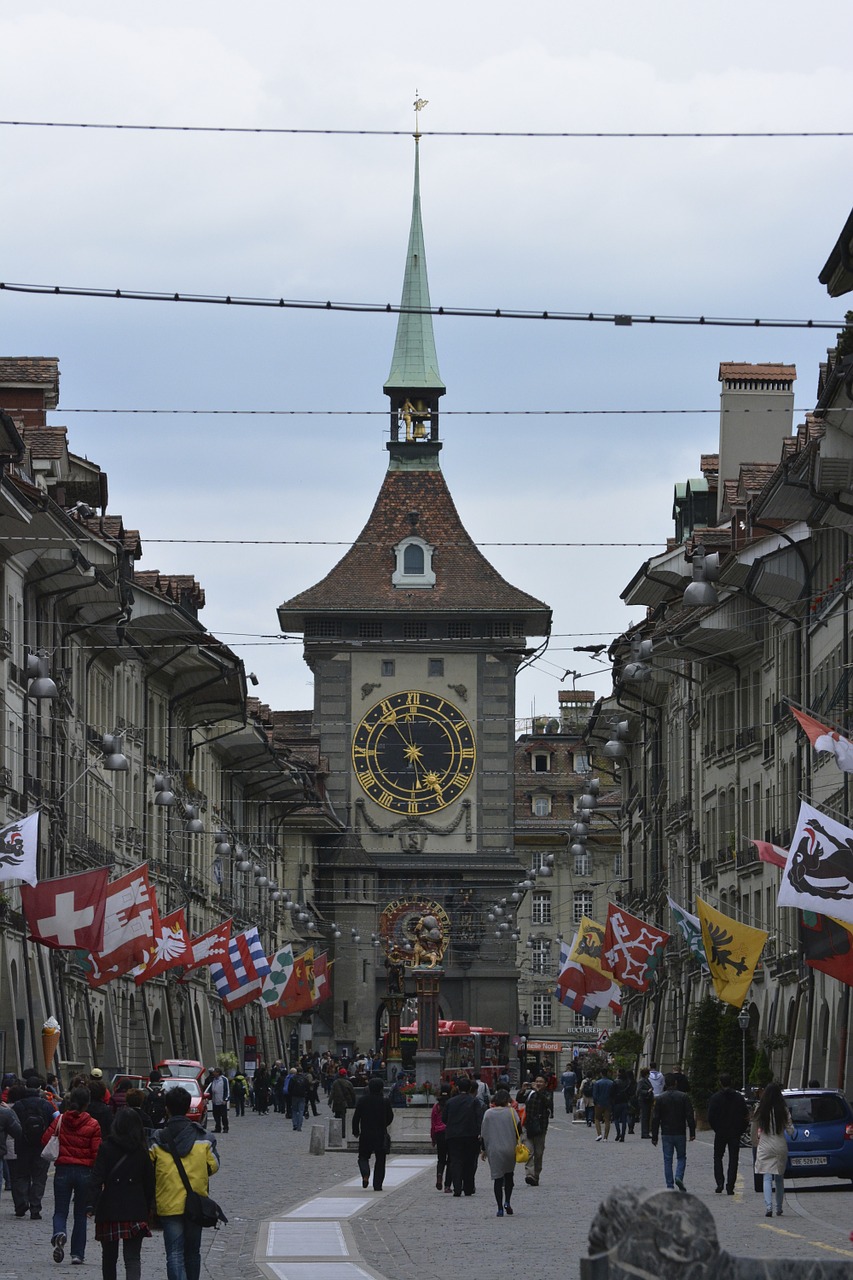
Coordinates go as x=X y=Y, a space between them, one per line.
x=620 y=319
x=445 y=413
x=272 y=130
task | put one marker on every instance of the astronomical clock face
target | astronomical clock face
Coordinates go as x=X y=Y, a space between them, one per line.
x=403 y=925
x=414 y=753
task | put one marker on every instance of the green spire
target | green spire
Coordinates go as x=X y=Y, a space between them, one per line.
x=414 y=365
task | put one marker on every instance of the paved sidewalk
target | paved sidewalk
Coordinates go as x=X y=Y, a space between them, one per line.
x=412 y=1232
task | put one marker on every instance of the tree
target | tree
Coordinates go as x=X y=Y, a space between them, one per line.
x=626 y=1046
x=761 y=1072
x=730 y=1047
x=703 y=1034
x=593 y=1062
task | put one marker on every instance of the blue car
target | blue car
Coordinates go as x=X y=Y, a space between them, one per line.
x=822 y=1145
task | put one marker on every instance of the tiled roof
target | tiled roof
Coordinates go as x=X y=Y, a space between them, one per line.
x=181 y=588
x=46 y=442
x=465 y=581
x=113 y=527
x=754 y=475
x=709 y=463
x=772 y=372
x=35 y=371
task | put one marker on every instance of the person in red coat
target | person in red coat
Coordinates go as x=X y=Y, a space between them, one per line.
x=79 y=1139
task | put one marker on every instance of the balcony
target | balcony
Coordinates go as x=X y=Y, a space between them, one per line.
x=707 y=869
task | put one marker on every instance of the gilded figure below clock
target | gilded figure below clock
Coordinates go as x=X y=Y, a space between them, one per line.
x=414 y=752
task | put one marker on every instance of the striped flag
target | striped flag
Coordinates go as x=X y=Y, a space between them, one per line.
x=239 y=976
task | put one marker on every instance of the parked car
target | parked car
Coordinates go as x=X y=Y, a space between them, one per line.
x=198 y=1102
x=183 y=1067
x=822 y=1145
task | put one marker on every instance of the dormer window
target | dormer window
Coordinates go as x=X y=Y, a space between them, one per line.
x=414 y=564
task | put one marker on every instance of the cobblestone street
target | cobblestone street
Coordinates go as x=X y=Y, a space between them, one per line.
x=411 y=1232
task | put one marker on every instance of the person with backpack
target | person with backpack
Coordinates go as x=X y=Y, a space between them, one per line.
x=155 y=1099
x=481 y=1090
x=121 y=1193
x=10 y=1129
x=239 y=1093
x=220 y=1094
x=29 y=1172
x=297 y=1094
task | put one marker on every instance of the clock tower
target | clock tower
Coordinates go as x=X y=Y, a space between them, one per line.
x=414 y=640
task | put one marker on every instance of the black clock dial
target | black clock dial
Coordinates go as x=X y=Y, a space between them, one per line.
x=414 y=752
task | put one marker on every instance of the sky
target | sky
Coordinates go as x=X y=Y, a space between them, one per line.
x=737 y=227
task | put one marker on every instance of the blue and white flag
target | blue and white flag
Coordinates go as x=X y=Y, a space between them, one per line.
x=239 y=977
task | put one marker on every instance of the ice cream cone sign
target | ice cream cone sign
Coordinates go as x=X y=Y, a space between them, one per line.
x=49 y=1041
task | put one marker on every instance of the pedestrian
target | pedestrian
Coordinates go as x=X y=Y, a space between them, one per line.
x=121 y=1193
x=239 y=1092
x=98 y=1108
x=438 y=1138
x=313 y=1090
x=180 y=1139
x=656 y=1078
x=481 y=1090
x=773 y=1121
x=569 y=1084
x=297 y=1094
x=370 y=1120
x=119 y=1095
x=155 y=1099
x=645 y=1102
x=462 y=1117
x=261 y=1086
x=79 y=1140
x=136 y=1101
x=619 y=1103
x=341 y=1099
x=29 y=1172
x=498 y=1139
x=602 y=1097
x=588 y=1104
x=728 y=1116
x=10 y=1131
x=672 y=1116
x=537 y=1113
x=219 y=1093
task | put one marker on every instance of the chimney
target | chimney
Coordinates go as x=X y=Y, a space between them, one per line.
x=756 y=414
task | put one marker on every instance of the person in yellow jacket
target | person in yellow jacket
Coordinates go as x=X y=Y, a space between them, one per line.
x=197 y=1153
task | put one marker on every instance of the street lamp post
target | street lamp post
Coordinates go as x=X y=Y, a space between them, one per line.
x=743 y=1023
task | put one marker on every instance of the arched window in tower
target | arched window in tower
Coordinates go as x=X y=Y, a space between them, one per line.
x=413 y=564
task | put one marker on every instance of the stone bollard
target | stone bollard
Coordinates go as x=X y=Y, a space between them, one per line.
x=317 y=1145
x=336 y=1135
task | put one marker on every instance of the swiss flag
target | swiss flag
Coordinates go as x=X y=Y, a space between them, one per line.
x=170 y=947
x=208 y=948
x=129 y=922
x=67 y=912
x=321 y=990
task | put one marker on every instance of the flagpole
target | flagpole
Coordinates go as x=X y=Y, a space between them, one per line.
x=28 y=986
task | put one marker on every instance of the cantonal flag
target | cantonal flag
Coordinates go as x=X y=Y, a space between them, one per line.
x=281 y=967
x=67 y=912
x=824 y=738
x=130 y=919
x=774 y=854
x=583 y=989
x=587 y=945
x=208 y=947
x=19 y=845
x=239 y=975
x=818 y=875
x=298 y=995
x=690 y=928
x=632 y=948
x=733 y=950
x=827 y=946
x=169 y=948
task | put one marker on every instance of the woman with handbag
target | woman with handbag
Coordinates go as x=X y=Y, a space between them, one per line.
x=121 y=1194
x=78 y=1137
x=499 y=1138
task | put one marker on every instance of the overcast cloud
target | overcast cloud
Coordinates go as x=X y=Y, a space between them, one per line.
x=707 y=226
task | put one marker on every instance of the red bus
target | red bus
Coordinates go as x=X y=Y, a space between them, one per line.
x=463 y=1048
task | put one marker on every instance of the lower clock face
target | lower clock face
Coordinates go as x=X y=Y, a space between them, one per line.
x=414 y=753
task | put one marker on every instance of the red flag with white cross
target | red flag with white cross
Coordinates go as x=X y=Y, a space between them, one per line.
x=129 y=922
x=67 y=913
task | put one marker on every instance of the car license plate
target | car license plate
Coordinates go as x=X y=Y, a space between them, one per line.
x=797 y=1162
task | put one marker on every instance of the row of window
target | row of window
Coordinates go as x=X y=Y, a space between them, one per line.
x=388 y=667
x=541 y=761
x=414 y=629
x=542 y=1013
